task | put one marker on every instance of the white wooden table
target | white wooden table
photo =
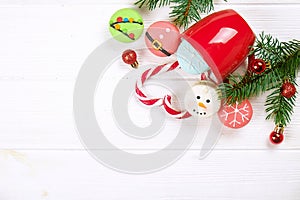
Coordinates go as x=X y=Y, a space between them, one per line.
x=43 y=45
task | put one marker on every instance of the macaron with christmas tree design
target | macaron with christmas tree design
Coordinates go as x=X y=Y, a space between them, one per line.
x=126 y=25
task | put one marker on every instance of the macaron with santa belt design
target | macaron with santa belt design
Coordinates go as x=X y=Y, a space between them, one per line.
x=162 y=38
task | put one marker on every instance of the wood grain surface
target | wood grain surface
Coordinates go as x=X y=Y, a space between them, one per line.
x=43 y=46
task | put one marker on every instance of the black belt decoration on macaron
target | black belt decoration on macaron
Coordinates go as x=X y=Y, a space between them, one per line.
x=157 y=45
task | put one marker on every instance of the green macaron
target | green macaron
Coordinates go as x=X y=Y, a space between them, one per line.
x=126 y=25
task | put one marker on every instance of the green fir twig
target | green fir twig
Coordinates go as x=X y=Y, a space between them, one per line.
x=152 y=4
x=183 y=12
x=284 y=58
x=186 y=11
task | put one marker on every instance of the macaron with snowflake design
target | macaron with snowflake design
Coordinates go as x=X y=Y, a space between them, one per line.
x=162 y=38
x=237 y=115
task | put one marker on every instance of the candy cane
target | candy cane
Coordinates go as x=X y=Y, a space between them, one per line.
x=208 y=75
x=165 y=101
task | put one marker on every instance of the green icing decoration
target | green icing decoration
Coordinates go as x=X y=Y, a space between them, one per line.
x=127 y=28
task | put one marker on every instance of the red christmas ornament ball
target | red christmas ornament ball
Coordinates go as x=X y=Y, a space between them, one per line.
x=129 y=57
x=288 y=90
x=276 y=137
x=257 y=66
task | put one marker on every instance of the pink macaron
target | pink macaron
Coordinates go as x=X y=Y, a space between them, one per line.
x=162 y=38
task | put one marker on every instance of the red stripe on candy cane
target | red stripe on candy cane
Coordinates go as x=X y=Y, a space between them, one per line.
x=156 y=70
x=173 y=66
x=208 y=75
x=168 y=107
x=174 y=113
x=139 y=92
x=165 y=101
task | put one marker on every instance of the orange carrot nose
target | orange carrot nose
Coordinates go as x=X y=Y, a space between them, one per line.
x=202 y=105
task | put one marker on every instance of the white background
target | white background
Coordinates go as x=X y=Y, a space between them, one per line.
x=42 y=47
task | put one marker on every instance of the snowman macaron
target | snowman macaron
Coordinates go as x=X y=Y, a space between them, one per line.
x=202 y=99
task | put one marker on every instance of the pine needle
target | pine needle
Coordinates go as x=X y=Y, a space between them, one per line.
x=285 y=63
x=183 y=12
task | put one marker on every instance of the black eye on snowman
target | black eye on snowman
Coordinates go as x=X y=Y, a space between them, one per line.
x=202 y=98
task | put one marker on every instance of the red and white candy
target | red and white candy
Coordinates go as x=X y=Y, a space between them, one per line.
x=201 y=100
x=164 y=101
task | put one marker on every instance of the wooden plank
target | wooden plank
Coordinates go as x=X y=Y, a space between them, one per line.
x=39 y=115
x=229 y=175
x=131 y=2
x=41 y=54
x=43 y=45
x=53 y=47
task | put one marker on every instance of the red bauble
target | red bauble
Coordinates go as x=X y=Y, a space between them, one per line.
x=276 y=137
x=257 y=66
x=288 y=90
x=129 y=57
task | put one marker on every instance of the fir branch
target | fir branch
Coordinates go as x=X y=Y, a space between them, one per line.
x=249 y=86
x=268 y=48
x=285 y=65
x=279 y=108
x=152 y=4
x=183 y=11
x=271 y=49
